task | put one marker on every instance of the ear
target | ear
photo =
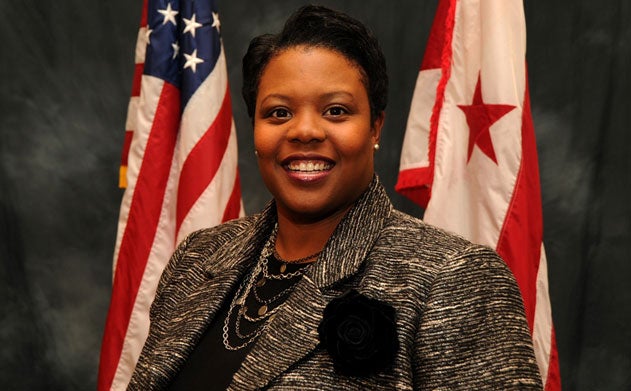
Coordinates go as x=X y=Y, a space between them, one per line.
x=376 y=127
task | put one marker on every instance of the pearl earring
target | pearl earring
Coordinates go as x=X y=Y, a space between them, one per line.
x=376 y=146
x=256 y=153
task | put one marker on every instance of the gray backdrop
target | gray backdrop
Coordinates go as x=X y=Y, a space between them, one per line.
x=65 y=79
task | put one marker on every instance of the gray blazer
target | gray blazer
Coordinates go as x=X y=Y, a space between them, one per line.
x=460 y=318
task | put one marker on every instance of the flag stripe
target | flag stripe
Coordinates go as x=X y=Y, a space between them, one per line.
x=543 y=330
x=519 y=242
x=446 y=62
x=211 y=205
x=143 y=14
x=126 y=145
x=416 y=183
x=161 y=249
x=203 y=107
x=440 y=36
x=234 y=206
x=553 y=380
x=207 y=153
x=122 y=175
x=135 y=88
x=140 y=228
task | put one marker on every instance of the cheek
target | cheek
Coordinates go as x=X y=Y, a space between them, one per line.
x=356 y=143
x=263 y=140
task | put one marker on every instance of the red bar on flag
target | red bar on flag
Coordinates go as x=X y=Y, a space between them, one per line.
x=469 y=154
x=179 y=164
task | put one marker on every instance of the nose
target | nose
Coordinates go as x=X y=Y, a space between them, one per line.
x=306 y=128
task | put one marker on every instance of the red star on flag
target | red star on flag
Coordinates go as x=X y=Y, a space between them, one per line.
x=480 y=117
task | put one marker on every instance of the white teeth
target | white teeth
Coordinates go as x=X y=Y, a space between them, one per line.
x=308 y=166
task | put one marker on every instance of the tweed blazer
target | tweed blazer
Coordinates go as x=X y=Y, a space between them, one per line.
x=459 y=314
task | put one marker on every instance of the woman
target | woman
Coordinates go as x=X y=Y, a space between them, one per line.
x=330 y=287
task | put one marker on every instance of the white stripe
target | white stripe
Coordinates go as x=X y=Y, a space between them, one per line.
x=415 y=150
x=542 y=333
x=209 y=208
x=147 y=105
x=161 y=250
x=202 y=109
x=141 y=45
x=132 y=114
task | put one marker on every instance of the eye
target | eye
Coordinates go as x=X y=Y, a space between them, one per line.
x=335 y=111
x=280 y=113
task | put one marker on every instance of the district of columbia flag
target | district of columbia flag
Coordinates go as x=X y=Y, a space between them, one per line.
x=469 y=155
x=179 y=165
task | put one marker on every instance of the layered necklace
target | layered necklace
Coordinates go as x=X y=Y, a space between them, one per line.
x=261 y=294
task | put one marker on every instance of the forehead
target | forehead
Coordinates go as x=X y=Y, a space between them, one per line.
x=318 y=49
x=302 y=66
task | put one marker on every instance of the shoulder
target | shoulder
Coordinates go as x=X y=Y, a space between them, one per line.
x=424 y=258
x=192 y=255
x=208 y=240
x=412 y=238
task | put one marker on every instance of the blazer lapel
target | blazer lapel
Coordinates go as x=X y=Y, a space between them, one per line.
x=182 y=333
x=293 y=331
x=290 y=335
x=218 y=276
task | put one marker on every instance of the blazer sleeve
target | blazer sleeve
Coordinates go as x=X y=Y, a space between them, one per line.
x=473 y=333
x=170 y=271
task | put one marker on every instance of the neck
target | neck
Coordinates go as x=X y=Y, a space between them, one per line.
x=297 y=239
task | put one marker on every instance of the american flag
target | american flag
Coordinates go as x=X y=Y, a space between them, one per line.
x=179 y=165
x=469 y=154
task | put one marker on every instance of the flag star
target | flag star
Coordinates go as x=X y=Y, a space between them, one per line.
x=192 y=60
x=216 y=23
x=176 y=49
x=169 y=15
x=480 y=117
x=191 y=25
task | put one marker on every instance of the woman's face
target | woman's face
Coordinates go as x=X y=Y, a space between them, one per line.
x=313 y=134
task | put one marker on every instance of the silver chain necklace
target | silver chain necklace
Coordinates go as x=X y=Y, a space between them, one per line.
x=248 y=286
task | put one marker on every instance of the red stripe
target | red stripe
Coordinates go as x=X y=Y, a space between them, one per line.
x=440 y=40
x=234 y=202
x=520 y=240
x=135 y=85
x=414 y=184
x=140 y=230
x=553 y=382
x=446 y=61
x=126 y=144
x=203 y=161
x=143 y=15
x=439 y=35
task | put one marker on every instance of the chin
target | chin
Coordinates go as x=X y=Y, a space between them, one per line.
x=310 y=210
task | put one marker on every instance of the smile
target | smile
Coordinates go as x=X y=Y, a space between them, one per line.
x=308 y=166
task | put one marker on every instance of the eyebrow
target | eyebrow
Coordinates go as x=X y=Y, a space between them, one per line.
x=327 y=96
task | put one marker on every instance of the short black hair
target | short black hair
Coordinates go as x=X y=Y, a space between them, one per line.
x=318 y=26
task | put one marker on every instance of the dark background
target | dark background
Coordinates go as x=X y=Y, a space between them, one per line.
x=66 y=69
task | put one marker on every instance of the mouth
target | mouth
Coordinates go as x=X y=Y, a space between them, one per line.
x=308 y=166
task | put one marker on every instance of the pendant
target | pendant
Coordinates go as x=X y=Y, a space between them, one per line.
x=262 y=310
x=283 y=267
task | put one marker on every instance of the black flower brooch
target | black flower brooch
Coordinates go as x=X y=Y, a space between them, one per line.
x=359 y=333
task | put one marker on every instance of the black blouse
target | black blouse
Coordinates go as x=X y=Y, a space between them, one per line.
x=211 y=365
